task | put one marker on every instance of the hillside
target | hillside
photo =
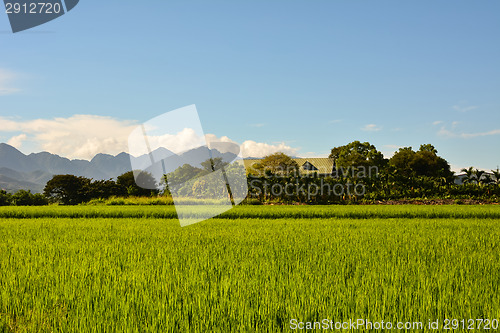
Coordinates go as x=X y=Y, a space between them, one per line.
x=31 y=172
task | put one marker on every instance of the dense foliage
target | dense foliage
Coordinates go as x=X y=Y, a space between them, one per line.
x=425 y=162
x=408 y=174
x=361 y=174
x=277 y=164
x=73 y=190
x=128 y=184
x=22 y=198
x=357 y=154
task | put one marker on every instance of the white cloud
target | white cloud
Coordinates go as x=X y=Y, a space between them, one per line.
x=177 y=143
x=393 y=147
x=215 y=138
x=437 y=122
x=450 y=134
x=84 y=136
x=6 y=78
x=258 y=125
x=475 y=135
x=464 y=108
x=17 y=141
x=79 y=136
x=259 y=149
x=371 y=128
x=335 y=121
x=251 y=148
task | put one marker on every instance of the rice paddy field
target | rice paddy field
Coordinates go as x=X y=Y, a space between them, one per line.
x=252 y=269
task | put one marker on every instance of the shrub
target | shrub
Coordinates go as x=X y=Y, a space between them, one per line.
x=26 y=198
x=5 y=198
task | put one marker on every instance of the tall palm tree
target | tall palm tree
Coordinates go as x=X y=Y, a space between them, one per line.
x=487 y=179
x=469 y=175
x=479 y=174
x=496 y=174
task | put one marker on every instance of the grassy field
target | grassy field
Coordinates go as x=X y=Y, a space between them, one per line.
x=260 y=212
x=133 y=269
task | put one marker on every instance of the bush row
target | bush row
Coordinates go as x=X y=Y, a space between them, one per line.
x=22 y=198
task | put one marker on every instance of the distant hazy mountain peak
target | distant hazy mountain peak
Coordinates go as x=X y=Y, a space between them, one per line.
x=5 y=148
x=31 y=172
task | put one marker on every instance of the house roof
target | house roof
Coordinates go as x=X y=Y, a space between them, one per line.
x=323 y=165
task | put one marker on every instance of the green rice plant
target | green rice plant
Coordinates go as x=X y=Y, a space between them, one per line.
x=115 y=202
x=258 y=212
x=244 y=275
x=139 y=201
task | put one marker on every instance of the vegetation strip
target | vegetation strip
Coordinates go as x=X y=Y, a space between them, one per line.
x=258 y=212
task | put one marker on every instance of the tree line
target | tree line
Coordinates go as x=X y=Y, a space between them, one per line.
x=74 y=190
x=408 y=174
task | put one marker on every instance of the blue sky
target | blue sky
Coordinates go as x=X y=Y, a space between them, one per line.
x=298 y=76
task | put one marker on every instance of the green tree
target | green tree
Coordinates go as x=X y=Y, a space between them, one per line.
x=186 y=173
x=213 y=164
x=67 y=189
x=103 y=189
x=39 y=200
x=278 y=164
x=357 y=156
x=428 y=147
x=402 y=161
x=428 y=163
x=424 y=162
x=26 y=198
x=129 y=182
x=5 y=198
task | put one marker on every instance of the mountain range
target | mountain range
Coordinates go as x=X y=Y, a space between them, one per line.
x=33 y=171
